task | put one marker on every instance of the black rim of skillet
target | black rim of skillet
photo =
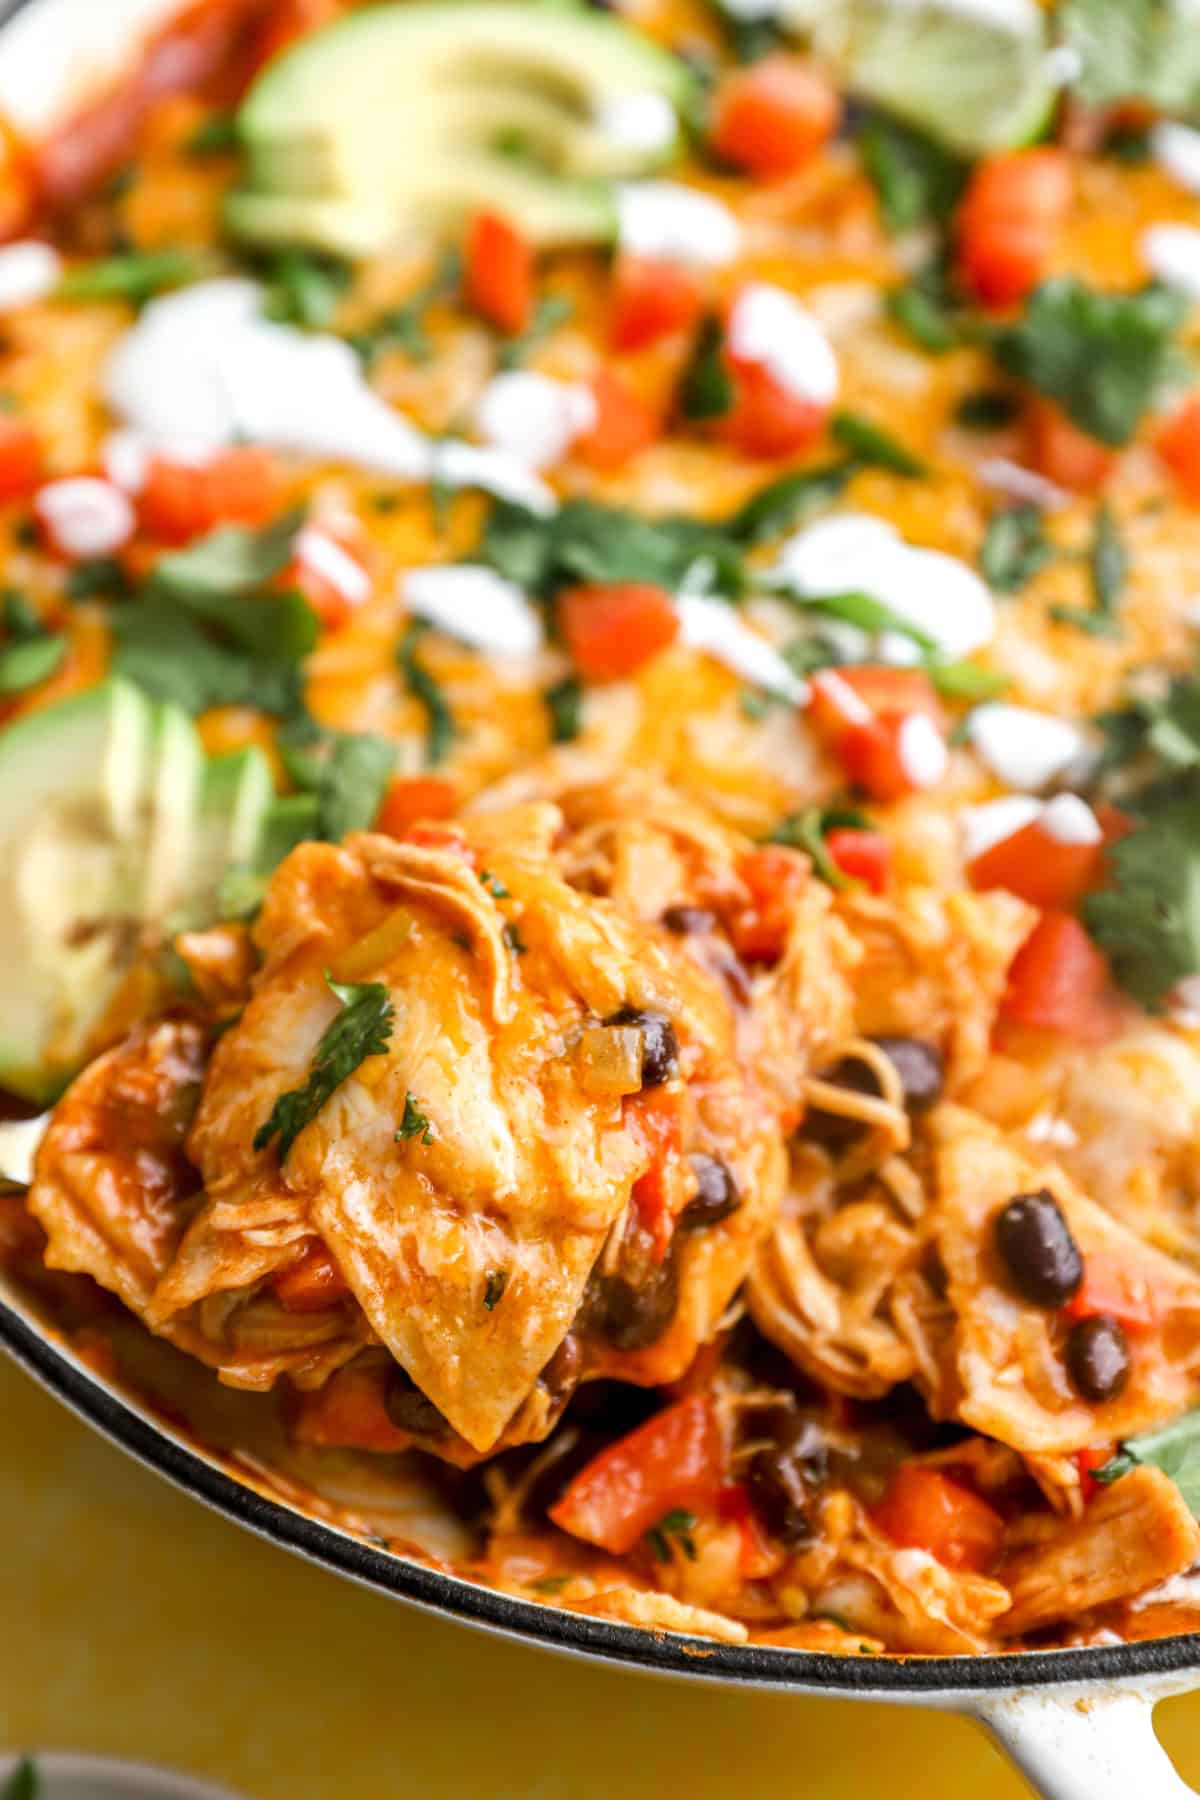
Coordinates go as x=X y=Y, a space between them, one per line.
x=751 y=1665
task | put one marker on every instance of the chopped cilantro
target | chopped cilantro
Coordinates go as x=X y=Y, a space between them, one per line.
x=494 y=885
x=24 y=664
x=230 y=561
x=789 y=501
x=1173 y=1448
x=552 y=310
x=923 y=316
x=1101 y=356
x=918 y=183
x=134 y=275
x=414 y=1123
x=965 y=680
x=564 y=701
x=869 y=444
x=98 y=578
x=363 y=1028
x=1108 y=561
x=303 y=288
x=675 y=1526
x=23 y=1783
x=514 y=940
x=807 y=831
x=19 y=619
x=1015 y=547
x=493 y=1293
x=353 y=782
x=441 y=729
x=215 y=136
x=587 y=540
x=1148 y=917
x=706 y=387
x=403 y=327
x=987 y=409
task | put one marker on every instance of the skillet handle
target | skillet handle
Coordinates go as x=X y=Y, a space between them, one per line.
x=1074 y=1745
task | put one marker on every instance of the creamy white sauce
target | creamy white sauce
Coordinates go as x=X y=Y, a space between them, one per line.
x=644 y=124
x=1024 y=749
x=1176 y=149
x=858 y=552
x=84 y=516
x=769 y=326
x=716 y=628
x=56 y=54
x=203 y=366
x=28 y=271
x=1172 y=252
x=989 y=824
x=669 y=222
x=475 y=605
x=533 y=417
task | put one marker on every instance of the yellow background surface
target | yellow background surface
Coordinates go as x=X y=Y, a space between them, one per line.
x=135 y=1622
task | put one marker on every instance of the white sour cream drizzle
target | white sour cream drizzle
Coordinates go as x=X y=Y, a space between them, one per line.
x=1172 y=252
x=533 y=417
x=59 y=52
x=472 y=603
x=203 y=366
x=769 y=326
x=29 y=271
x=668 y=222
x=714 y=627
x=1023 y=748
x=1176 y=150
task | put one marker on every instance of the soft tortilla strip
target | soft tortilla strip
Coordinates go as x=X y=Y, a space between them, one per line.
x=1006 y=1355
x=1133 y=1535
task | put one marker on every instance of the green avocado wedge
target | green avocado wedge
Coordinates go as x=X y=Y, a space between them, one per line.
x=404 y=118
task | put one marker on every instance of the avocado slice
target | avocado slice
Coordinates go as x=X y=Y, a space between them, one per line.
x=74 y=784
x=404 y=117
x=178 y=768
x=236 y=795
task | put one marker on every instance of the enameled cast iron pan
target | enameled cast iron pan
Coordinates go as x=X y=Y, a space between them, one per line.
x=1078 y=1722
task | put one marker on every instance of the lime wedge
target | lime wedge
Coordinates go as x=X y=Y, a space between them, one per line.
x=977 y=75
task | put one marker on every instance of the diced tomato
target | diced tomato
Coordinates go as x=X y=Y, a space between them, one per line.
x=756 y=1557
x=1039 y=868
x=655 y=1118
x=774 y=878
x=313 y=1284
x=1059 y=981
x=652 y=300
x=410 y=798
x=862 y=855
x=925 y=1510
x=1178 y=443
x=20 y=458
x=767 y=419
x=1087 y=1462
x=180 y=501
x=287 y=21
x=1010 y=221
x=349 y=1412
x=1062 y=453
x=612 y=628
x=868 y=717
x=624 y=424
x=329 y=568
x=499 y=273
x=673 y=1460
x=1119 y=1289
x=773 y=116
x=442 y=837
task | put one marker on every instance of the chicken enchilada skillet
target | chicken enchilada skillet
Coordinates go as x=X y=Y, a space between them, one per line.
x=598 y=770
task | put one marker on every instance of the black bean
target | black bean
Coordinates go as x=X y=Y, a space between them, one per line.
x=716 y=1194
x=1098 y=1357
x=919 y=1066
x=560 y=1377
x=408 y=1408
x=689 y=921
x=783 y=1478
x=630 y=1316
x=660 y=1046
x=1037 y=1249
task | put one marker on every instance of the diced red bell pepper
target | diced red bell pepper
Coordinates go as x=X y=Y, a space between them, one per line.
x=286 y=22
x=925 y=1510
x=1039 y=868
x=773 y=116
x=623 y=425
x=865 y=716
x=20 y=458
x=1059 y=981
x=756 y=1557
x=612 y=628
x=499 y=273
x=766 y=419
x=410 y=798
x=180 y=501
x=864 y=856
x=1064 y=454
x=652 y=300
x=1010 y=221
x=1178 y=443
x=313 y=1284
x=774 y=877
x=674 y=1460
x=844 y=697
x=1119 y=1289
x=660 y=1193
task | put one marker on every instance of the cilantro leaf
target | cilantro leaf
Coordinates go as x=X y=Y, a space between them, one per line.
x=587 y=540
x=917 y=182
x=1173 y=1448
x=1108 y=562
x=564 y=701
x=171 y=656
x=403 y=327
x=965 y=680
x=135 y=275
x=706 y=388
x=303 y=288
x=926 y=320
x=23 y=665
x=807 y=831
x=552 y=310
x=493 y=1293
x=870 y=444
x=363 y=1028
x=215 y=136
x=788 y=502
x=987 y=409
x=422 y=685
x=229 y=561
x=1148 y=918
x=863 y=610
x=1101 y=356
x=352 y=784
x=1015 y=547
x=676 y=1525
x=414 y=1123
x=1134 y=50
x=23 y=1783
